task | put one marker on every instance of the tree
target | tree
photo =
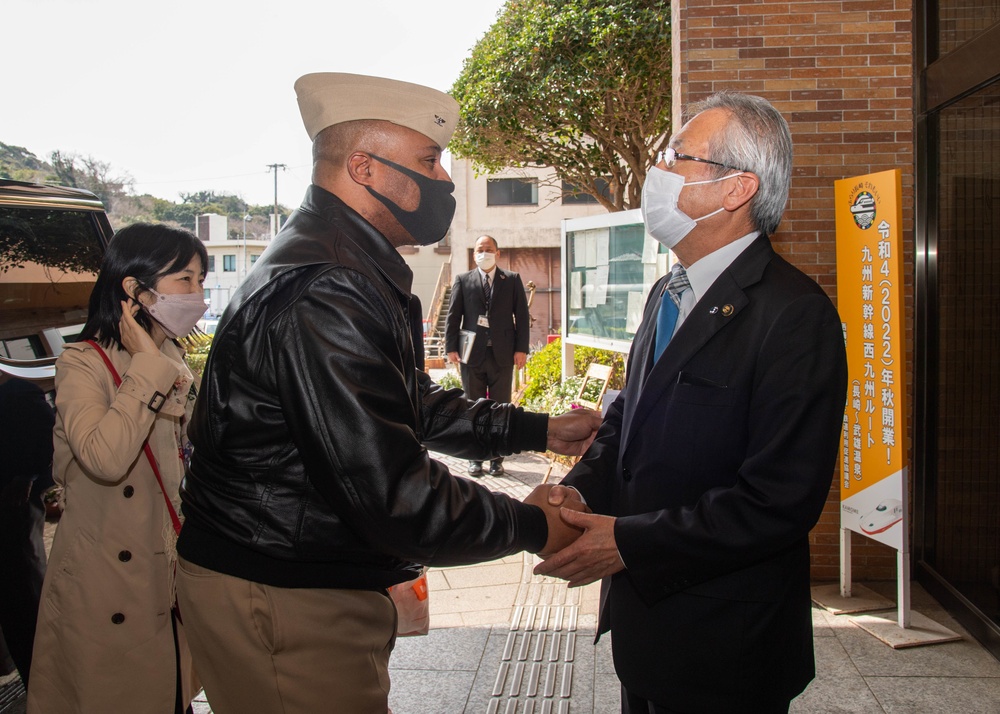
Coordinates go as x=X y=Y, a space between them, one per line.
x=18 y=163
x=183 y=214
x=93 y=175
x=581 y=86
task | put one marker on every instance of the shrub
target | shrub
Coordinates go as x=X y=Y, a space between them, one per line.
x=450 y=380
x=197 y=347
x=583 y=357
x=544 y=369
x=559 y=398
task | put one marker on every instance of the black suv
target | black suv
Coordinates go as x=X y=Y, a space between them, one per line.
x=52 y=239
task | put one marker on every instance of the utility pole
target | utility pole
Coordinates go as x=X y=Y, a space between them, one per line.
x=275 y=167
x=246 y=217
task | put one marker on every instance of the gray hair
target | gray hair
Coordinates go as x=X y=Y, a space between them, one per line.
x=758 y=140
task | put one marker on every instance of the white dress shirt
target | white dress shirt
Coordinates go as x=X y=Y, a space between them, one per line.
x=703 y=273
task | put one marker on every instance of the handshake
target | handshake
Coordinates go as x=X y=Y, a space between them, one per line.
x=552 y=499
x=571 y=434
x=581 y=546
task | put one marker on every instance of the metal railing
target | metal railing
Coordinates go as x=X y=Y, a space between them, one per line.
x=434 y=340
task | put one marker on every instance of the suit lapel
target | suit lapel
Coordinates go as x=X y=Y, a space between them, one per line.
x=474 y=287
x=499 y=287
x=720 y=306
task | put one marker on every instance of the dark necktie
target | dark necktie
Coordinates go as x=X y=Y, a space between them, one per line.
x=487 y=291
x=670 y=308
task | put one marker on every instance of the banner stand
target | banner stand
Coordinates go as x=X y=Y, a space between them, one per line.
x=855 y=601
x=874 y=491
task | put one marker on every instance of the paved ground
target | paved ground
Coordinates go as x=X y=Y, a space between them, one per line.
x=506 y=642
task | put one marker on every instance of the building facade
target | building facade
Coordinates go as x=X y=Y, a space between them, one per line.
x=230 y=258
x=523 y=210
x=867 y=87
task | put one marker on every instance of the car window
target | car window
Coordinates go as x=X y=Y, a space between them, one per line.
x=50 y=251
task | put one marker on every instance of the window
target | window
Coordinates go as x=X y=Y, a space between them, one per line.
x=51 y=243
x=512 y=192
x=211 y=264
x=571 y=195
x=607 y=279
x=229 y=263
x=253 y=258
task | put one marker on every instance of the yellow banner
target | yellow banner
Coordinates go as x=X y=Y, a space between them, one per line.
x=869 y=220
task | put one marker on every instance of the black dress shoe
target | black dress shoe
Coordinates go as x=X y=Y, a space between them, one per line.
x=496 y=468
x=475 y=468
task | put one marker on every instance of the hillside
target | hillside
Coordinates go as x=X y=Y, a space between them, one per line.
x=115 y=189
x=19 y=164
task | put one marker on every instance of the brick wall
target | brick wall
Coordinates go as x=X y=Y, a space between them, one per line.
x=841 y=73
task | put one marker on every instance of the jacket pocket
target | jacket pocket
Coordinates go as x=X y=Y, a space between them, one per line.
x=692 y=389
x=97 y=598
x=66 y=588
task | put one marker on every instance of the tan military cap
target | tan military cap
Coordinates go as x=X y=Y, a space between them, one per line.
x=328 y=98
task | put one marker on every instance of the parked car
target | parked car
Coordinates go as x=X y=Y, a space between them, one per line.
x=52 y=239
x=208 y=325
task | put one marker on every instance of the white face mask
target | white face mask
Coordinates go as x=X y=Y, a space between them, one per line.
x=177 y=314
x=486 y=261
x=664 y=220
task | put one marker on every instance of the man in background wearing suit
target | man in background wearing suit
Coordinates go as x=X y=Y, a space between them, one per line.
x=490 y=302
x=715 y=461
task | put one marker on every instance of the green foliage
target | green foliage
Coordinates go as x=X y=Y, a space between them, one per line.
x=543 y=370
x=197 y=347
x=591 y=391
x=544 y=374
x=122 y=206
x=557 y=399
x=450 y=380
x=583 y=357
x=18 y=163
x=582 y=86
x=183 y=214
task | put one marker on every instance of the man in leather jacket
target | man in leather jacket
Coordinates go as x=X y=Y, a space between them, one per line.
x=310 y=489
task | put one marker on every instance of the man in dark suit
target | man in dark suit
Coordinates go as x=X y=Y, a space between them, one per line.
x=490 y=302
x=715 y=461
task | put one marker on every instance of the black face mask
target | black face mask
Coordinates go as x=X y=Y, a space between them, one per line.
x=432 y=217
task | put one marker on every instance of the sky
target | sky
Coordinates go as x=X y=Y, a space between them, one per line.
x=193 y=95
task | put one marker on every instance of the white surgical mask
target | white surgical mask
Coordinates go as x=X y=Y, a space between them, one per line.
x=177 y=314
x=486 y=261
x=664 y=220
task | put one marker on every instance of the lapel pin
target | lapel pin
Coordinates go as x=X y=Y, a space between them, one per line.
x=727 y=310
x=713 y=310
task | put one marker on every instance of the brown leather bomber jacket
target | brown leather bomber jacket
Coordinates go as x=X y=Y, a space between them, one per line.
x=309 y=434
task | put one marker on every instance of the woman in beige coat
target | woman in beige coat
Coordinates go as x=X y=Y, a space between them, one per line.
x=108 y=638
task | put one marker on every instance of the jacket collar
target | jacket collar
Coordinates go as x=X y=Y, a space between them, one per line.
x=719 y=307
x=328 y=207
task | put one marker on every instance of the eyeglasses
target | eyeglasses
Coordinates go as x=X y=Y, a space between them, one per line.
x=670 y=157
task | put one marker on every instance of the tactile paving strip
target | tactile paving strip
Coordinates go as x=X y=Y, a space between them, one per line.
x=535 y=673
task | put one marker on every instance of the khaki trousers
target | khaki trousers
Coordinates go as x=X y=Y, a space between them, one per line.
x=261 y=649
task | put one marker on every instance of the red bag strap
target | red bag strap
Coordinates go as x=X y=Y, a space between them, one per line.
x=145 y=444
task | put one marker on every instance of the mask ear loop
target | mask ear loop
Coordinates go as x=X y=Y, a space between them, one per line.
x=137 y=290
x=709 y=215
x=715 y=180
